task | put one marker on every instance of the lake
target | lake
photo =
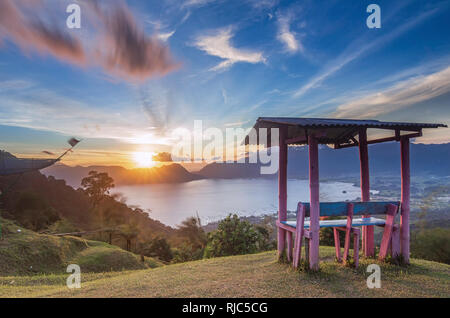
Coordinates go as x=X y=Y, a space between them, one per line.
x=214 y=199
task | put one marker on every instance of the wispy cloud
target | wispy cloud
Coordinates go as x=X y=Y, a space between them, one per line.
x=263 y=4
x=218 y=44
x=165 y=36
x=195 y=3
x=403 y=94
x=286 y=35
x=356 y=50
x=39 y=108
x=120 y=47
x=237 y=124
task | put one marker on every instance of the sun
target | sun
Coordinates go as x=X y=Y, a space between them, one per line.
x=144 y=159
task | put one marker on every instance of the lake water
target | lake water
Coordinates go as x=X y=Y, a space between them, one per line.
x=215 y=199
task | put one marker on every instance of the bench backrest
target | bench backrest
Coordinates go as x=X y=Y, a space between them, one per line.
x=360 y=208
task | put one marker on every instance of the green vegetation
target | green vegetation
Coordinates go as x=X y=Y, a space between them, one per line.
x=236 y=237
x=157 y=248
x=97 y=186
x=24 y=252
x=254 y=275
x=33 y=212
x=48 y=205
x=431 y=244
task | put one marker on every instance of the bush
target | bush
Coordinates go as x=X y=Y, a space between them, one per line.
x=157 y=248
x=265 y=243
x=186 y=253
x=326 y=235
x=233 y=237
x=63 y=226
x=431 y=244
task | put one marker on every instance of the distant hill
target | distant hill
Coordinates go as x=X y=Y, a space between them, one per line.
x=173 y=173
x=384 y=159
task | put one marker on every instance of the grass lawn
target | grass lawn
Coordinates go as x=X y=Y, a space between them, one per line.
x=256 y=275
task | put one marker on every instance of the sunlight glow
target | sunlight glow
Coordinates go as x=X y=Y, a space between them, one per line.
x=144 y=159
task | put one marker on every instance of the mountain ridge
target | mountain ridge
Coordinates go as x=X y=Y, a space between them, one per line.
x=384 y=159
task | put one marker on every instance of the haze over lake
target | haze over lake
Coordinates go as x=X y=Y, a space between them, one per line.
x=214 y=199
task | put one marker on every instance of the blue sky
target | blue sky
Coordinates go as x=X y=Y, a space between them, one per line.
x=223 y=62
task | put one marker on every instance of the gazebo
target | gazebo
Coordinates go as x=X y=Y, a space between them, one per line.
x=341 y=133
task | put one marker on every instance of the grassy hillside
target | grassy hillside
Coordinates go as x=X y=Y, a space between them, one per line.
x=24 y=252
x=257 y=275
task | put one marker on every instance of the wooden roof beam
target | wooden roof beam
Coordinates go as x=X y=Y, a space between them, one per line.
x=397 y=137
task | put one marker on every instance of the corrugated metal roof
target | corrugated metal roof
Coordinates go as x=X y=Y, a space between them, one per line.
x=327 y=122
x=332 y=131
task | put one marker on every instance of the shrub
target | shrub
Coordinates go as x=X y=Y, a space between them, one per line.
x=233 y=237
x=186 y=253
x=431 y=244
x=159 y=248
x=326 y=235
x=192 y=232
x=63 y=226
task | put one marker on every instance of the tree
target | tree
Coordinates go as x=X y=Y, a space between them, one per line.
x=191 y=229
x=233 y=237
x=158 y=247
x=129 y=232
x=33 y=212
x=97 y=185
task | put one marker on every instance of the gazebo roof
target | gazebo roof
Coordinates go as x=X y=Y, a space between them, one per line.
x=340 y=132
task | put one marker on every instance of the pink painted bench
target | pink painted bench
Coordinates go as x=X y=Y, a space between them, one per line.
x=391 y=235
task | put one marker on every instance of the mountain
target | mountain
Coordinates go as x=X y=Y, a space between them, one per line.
x=384 y=159
x=173 y=173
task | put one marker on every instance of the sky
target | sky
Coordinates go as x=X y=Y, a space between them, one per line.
x=137 y=70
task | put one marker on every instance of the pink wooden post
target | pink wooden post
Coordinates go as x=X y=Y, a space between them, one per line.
x=282 y=189
x=299 y=234
x=337 y=244
x=314 y=202
x=395 y=241
x=289 y=245
x=367 y=231
x=348 y=231
x=404 y=218
x=356 y=246
x=388 y=228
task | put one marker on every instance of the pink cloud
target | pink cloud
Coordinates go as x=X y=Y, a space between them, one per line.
x=120 y=47
x=33 y=34
x=126 y=50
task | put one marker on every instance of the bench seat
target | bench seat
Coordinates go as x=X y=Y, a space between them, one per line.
x=341 y=223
